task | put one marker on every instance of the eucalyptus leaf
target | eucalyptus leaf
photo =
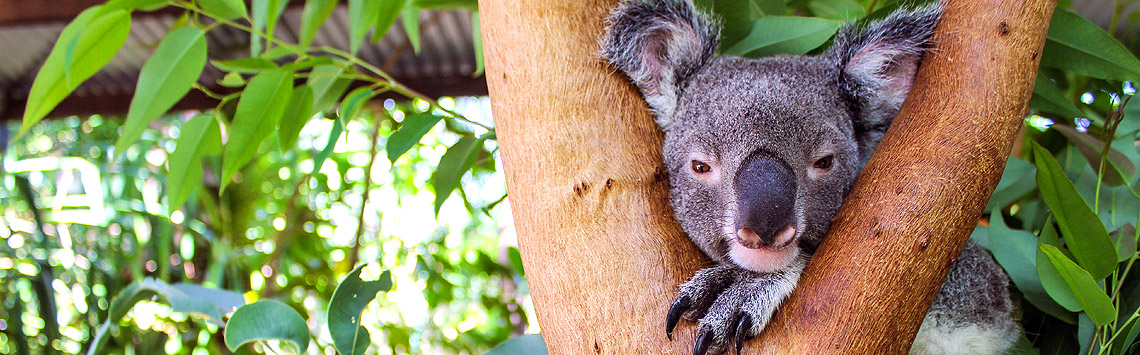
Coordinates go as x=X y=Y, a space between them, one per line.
x=266 y=320
x=386 y=17
x=1091 y=297
x=144 y=5
x=1079 y=46
x=452 y=166
x=312 y=17
x=1016 y=252
x=164 y=79
x=334 y=135
x=361 y=18
x=1124 y=239
x=477 y=42
x=232 y=80
x=265 y=14
x=354 y=102
x=472 y=5
x=299 y=111
x=352 y=295
x=1046 y=97
x=1118 y=169
x=327 y=85
x=1084 y=234
x=258 y=111
x=90 y=41
x=846 y=10
x=225 y=9
x=197 y=136
x=412 y=129
x=410 y=19
x=735 y=17
x=251 y=65
x=772 y=35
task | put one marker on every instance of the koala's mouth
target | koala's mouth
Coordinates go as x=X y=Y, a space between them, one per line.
x=779 y=241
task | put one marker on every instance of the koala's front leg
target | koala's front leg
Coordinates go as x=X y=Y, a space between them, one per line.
x=731 y=303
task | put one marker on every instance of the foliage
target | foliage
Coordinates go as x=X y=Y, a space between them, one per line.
x=228 y=230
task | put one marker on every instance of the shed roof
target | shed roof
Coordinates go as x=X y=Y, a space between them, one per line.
x=445 y=65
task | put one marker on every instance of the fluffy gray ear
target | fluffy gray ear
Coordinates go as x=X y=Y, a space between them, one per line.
x=878 y=65
x=659 y=44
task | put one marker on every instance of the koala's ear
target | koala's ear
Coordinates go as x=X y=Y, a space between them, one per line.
x=878 y=65
x=659 y=44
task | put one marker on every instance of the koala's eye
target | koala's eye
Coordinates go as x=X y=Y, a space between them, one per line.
x=823 y=163
x=700 y=167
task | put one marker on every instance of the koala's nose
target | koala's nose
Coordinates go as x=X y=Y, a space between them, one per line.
x=765 y=194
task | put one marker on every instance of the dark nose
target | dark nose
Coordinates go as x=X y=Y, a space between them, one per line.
x=765 y=193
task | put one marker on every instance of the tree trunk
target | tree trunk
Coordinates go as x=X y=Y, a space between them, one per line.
x=603 y=254
x=582 y=157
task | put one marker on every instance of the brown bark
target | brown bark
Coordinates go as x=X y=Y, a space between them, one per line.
x=915 y=204
x=582 y=158
x=603 y=253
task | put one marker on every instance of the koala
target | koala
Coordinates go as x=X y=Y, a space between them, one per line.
x=761 y=153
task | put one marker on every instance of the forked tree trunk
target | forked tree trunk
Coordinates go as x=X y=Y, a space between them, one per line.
x=603 y=253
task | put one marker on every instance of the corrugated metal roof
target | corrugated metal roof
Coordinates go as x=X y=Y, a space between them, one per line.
x=444 y=66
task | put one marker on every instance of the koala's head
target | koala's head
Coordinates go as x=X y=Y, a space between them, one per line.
x=761 y=152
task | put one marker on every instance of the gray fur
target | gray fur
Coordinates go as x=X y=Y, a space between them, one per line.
x=723 y=111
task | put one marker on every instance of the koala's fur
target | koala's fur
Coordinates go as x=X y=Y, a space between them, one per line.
x=761 y=153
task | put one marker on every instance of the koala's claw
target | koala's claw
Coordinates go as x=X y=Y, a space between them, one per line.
x=742 y=328
x=703 y=343
x=675 y=311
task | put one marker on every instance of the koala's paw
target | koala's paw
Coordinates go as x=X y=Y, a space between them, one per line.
x=731 y=305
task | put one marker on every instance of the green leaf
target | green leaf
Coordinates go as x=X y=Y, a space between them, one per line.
x=529 y=344
x=764 y=8
x=334 y=135
x=265 y=14
x=735 y=17
x=1047 y=98
x=361 y=18
x=1079 y=46
x=266 y=320
x=165 y=78
x=412 y=129
x=306 y=63
x=129 y=5
x=354 y=101
x=472 y=5
x=260 y=108
x=386 y=16
x=1016 y=252
x=1124 y=239
x=198 y=136
x=1091 y=297
x=183 y=298
x=299 y=111
x=477 y=41
x=1118 y=169
x=245 y=65
x=232 y=80
x=846 y=10
x=774 y=35
x=83 y=48
x=327 y=86
x=1084 y=234
x=312 y=17
x=452 y=166
x=410 y=19
x=1054 y=283
x=352 y=295
x=225 y=9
